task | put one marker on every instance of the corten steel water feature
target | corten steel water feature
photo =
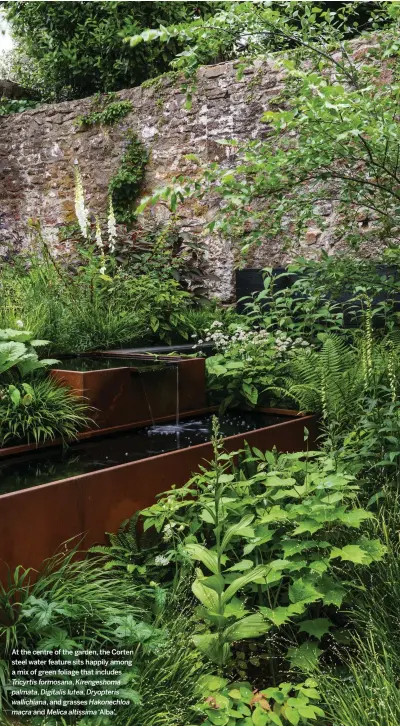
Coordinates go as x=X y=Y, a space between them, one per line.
x=34 y=522
x=124 y=396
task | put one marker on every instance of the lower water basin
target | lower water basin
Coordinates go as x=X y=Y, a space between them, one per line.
x=47 y=465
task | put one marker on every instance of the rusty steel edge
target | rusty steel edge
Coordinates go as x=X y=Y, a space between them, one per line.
x=34 y=522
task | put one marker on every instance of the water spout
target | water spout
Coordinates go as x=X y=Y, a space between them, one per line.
x=178 y=434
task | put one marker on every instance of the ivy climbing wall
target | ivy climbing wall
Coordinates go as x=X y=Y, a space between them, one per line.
x=38 y=150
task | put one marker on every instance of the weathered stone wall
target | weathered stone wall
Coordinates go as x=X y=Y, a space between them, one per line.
x=38 y=149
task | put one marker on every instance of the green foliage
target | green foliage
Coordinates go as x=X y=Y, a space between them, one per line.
x=276 y=535
x=72 y=604
x=83 y=309
x=39 y=411
x=125 y=185
x=303 y=308
x=367 y=692
x=18 y=353
x=239 y=30
x=236 y=704
x=278 y=187
x=248 y=363
x=138 y=556
x=107 y=112
x=167 y=678
x=79 y=605
x=11 y=105
x=77 y=49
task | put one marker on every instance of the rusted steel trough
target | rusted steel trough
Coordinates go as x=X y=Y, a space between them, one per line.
x=35 y=521
x=124 y=396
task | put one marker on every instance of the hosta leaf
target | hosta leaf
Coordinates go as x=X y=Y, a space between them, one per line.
x=317 y=627
x=305 y=657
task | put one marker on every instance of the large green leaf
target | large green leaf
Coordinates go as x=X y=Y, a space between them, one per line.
x=250 y=627
x=305 y=657
x=207 y=557
x=303 y=591
x=281 y=615
x=215 y=582
x=317 y=627
x=373 y=548
x=207 y=597
x=240 y=582
x=350 y=553
x=10 y=354
x=240 y=529
x=241 y=566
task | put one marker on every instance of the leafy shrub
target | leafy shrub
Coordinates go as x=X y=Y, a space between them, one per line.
x=79 y=605
x=86 y=310
x=39 y=411
x=66 y=44
x=238 y=704
x=246 y=366
x=274 y=534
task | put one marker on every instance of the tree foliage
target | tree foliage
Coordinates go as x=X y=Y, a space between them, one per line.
x=331 y=136
x=76 y=49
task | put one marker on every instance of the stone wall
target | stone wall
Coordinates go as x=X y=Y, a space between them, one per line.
x=38 y=149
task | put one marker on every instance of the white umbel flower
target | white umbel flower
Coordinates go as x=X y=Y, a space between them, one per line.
x=161 y=561
x=112 y=228
x=81 y=212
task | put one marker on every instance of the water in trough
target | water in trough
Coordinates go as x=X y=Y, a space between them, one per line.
x=51 y=464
